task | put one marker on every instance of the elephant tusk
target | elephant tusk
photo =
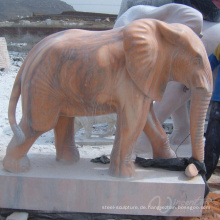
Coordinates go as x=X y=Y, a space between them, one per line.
x=191 y=170
x=201 y=35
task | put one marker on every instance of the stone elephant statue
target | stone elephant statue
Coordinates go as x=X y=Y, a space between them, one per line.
x=80 y=73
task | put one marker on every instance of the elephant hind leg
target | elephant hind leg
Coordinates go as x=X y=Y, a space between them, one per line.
x=64 y=140
x=16 y=159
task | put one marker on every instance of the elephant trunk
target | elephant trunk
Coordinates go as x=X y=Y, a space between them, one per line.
x=199 y=105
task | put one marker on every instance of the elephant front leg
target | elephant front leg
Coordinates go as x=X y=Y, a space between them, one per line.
x=130 y=122
x=157 y=137
x=64 y=140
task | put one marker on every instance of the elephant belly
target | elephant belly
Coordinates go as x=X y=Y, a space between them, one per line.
x=91 y=108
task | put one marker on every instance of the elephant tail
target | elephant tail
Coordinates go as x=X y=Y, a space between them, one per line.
x=15 y=94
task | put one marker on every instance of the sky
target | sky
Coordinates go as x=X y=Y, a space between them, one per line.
x=100 y=6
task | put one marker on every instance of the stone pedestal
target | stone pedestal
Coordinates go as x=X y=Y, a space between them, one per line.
x=86 y=187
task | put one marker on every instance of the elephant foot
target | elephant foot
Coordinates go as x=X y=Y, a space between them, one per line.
x=125 y=171
x=180 y=136
x=16 y=165
x=165 y=154
x=70 y=156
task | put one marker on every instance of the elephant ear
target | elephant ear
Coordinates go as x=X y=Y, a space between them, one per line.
x=141 y=45
x=149 y=45
x=141 y=51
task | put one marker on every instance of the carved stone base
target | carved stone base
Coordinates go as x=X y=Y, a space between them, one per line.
x=86 y=187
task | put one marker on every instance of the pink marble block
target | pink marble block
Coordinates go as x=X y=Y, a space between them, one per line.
x=86 y=187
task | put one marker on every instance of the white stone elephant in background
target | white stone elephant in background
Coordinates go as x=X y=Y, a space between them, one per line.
x=88 y=122
x=211 y=35
x=175 y=99
x=170 y=13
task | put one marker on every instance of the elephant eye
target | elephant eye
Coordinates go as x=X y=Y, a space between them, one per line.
x=197 y=61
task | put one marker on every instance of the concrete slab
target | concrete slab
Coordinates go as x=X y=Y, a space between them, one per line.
x=86 y=187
